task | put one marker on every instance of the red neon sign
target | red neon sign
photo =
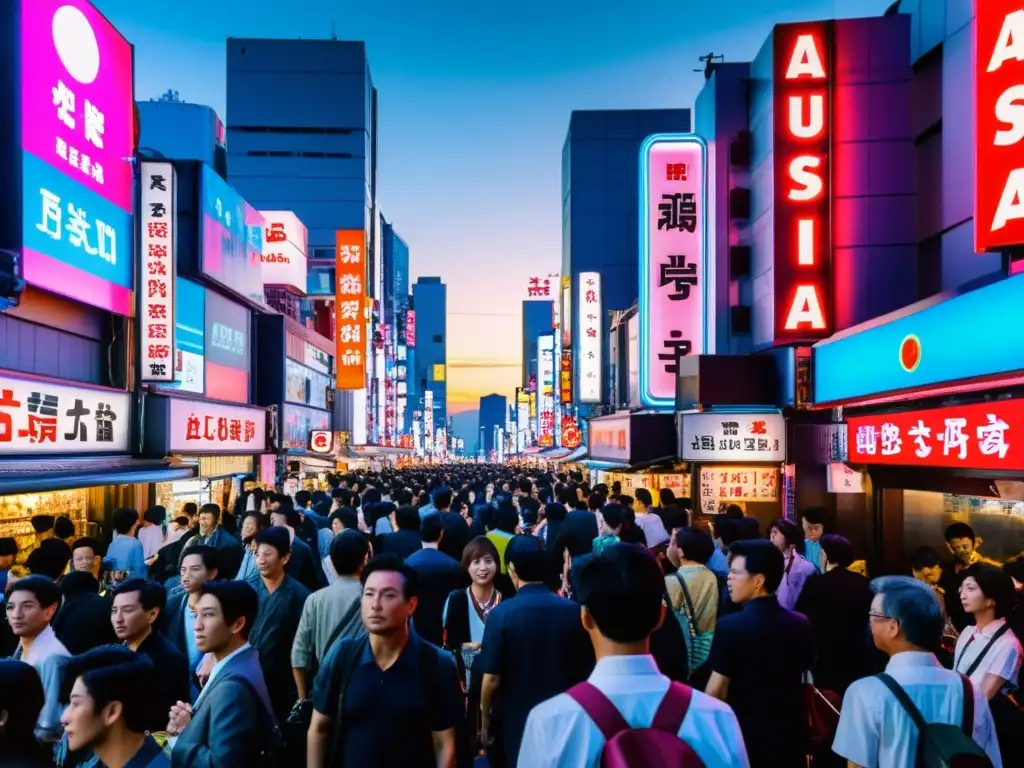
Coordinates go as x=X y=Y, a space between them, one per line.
x=803 y=238
x=982 y=436
x=999 y=124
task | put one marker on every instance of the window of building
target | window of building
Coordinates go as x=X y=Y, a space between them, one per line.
x=438 y=338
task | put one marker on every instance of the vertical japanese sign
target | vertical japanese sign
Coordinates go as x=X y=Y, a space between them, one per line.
x=77 y=133
x=349 y=312
x=410 y=328
x=156 y=284
x=999 y=125
x=565 y=378
x=590 y=325
x=803 y=194
x=673 y=256
x=546 y=365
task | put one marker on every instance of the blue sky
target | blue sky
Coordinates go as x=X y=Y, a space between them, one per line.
x=474 y=104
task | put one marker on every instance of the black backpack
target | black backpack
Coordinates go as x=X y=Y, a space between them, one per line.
x=941 y=745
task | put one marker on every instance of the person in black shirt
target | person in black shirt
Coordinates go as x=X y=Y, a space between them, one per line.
x=83 y=621
x=406 y=539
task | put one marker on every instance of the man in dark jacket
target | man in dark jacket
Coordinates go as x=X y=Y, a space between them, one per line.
x=456 y=529
x=406 y=539
x=83 y=621
x=213 y=534
x=303 y=565
x=438 y=576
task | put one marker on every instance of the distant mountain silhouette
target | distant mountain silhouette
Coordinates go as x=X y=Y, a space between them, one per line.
x=467 y=426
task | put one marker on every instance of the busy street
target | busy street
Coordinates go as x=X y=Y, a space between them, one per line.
x=578 y=386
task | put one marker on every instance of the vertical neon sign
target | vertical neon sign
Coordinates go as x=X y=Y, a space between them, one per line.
x=803 y=194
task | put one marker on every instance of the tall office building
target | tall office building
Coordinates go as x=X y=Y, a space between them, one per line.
x=538 y=317
x=395 y=308
x=493 y=416
x=600 y=205
x=430 y=365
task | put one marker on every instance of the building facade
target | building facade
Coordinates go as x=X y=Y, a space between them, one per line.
x=429 y=299
x=493 y=417
x=537 y=319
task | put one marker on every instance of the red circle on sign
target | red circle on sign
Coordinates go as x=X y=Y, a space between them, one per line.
x=910 y=353
x=571 y=437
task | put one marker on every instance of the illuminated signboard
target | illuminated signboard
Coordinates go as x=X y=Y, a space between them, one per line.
x=590 y=325
x=232 y=237
x=609 y=438
x=984 y=436
x=999 y=124
x=565 y=377
x=410 y=328
x=77 y=126
x=673 y=254
x=350 y=310
x=803 y=237
x=546 y=377
x=157 y=283
x=284 y=251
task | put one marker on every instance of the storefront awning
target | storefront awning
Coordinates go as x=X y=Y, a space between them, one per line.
x=555 y=453
x=371 y=451
x=577 y=455
x=34 y=476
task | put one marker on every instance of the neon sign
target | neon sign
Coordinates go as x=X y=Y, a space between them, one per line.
x=999 y=124
x=803 y=238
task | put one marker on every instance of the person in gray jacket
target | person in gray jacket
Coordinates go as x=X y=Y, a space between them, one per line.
x=231 y=723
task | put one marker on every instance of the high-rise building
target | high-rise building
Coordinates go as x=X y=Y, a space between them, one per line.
x=430 y=365
x=538 y=316
x=493 y=416
x=395 y=307
x=601 y=183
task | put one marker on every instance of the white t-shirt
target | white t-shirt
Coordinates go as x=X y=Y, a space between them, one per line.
x=1003 y=658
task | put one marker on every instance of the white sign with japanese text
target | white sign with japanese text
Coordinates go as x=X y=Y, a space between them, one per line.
x=41 y=418
x=721 y=486
x=156 y=285
x=197 y=426
x=732 y=437
x=283 y=262
x=590 y=325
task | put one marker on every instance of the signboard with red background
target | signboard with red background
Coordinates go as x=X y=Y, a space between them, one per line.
x=350 y=309
x=999 y=125
x=802 y=130
x=984 y=436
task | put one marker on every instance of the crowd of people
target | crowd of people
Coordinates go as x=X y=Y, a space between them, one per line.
x=444 y=615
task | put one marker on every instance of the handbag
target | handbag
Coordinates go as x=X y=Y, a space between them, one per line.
x=821 y=710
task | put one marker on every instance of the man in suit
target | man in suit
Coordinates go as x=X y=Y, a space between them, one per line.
x=438 y=573
x=231 y=722
x=213 y=534
x=83 y=621
x=199 y=564
x=406 y=539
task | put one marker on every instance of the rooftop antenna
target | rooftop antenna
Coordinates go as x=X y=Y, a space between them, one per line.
x=334 y=33
x=710 y=61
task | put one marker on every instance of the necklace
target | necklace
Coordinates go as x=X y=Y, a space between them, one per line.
x=483 y=609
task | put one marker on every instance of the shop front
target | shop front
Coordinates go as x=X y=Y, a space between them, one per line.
x=932 y=404
x=66 y=450
x=736 y=458
x=636 y=450
x=221 y=442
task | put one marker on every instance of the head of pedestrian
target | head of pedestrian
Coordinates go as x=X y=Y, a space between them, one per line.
x=755 y=570
x=349 y=553
x=905 y=615
x=621 y=592
x=199 y=564
x=273 y=551
x=86 y=555
x=137 y=607
x=107 y=692
x=926 y=565
x=962 y=542
x=987 y=593
x=527 y=561
x=785 y=535
x=224 y=616
x=31 y=603
x=389 y=595
x=284 y=513
x=642 y=501
x=251 y=525
x=813 y=521
x=344 y=519
x=21 y=700
x=209 y=519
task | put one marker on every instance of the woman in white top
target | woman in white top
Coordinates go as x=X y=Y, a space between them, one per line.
x=988 y=652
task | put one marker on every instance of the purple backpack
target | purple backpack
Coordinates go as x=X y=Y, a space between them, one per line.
x=627 y=747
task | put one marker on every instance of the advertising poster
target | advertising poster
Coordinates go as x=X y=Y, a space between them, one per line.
x=284 y=251
x=227 y=349
x=590 y=337
x=350 y=311
x=189 y=336
x=157 y=263
x=232 y=238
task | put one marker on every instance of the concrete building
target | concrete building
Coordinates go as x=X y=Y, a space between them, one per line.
x=430 y=366
x=182 y=131
x=537 y=319
x=493 y=416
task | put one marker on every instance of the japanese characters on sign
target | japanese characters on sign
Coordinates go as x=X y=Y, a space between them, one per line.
x=722 y=486
x=565 y=377
x=321 y=441
x=609 y=439
x=546 y=378
x=540 y=287
x=673 y=254
x=41 y=418
x=349 y=309
x=199 y=427
x=410 y=328
x=590 y=325
x=284 y=251
x=732 y=437
x=803 y=126
x=156 y=241
x=982 y=436
x=999 y=125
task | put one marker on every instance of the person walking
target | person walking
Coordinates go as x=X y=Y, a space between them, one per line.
x=21 y=702
x=438 y=576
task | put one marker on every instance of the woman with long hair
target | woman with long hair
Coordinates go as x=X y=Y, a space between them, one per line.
x=21 y=700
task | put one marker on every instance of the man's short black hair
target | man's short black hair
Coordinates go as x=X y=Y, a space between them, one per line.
x=348 y=551
x=349 y=518
x=924 y=557
x=815 y=515
x=837 y=549
x=45 y=589
x=50 y=558
x=42 y=523
x=443 y=498
x=303 y=498
x=734 y=512
x=644 y=496
x=696 y=544
x=623 y=589
x=124 y=518
x=238 y=600
x=431 y=528
x=87 y=542
x=393 y=564
x=63 y=527
x=211 y=509
x=408 y=518
x=210 y=556
x=115 y=673
x=156 y=515
x=506 y=519
x=277 y=537
x=763 y=557
x=526 y=554
x=151 y=594
x=959 y=531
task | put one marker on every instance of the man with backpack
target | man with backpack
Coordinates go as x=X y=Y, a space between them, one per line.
x=917 y=713
x=628 y=714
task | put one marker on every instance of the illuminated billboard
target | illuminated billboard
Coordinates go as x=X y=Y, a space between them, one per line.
x=349 y=308
x=589 y=293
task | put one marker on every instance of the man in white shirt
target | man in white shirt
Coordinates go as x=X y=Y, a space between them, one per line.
x=652 y=525
x=622 y=595
x=874 y=729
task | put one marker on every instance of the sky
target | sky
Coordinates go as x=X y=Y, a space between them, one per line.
x=474 y=104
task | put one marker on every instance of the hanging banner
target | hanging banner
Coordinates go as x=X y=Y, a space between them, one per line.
x=349 y=309
x=673 y=255
x=590 y=325
x=156 y=284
